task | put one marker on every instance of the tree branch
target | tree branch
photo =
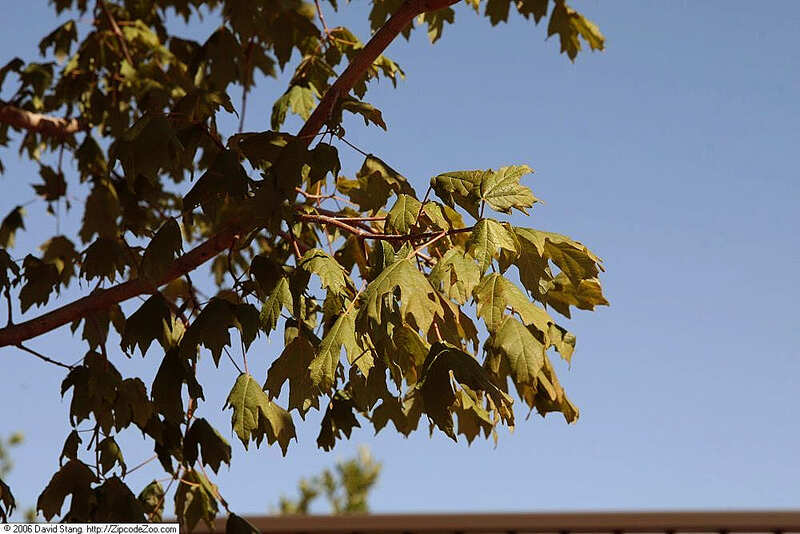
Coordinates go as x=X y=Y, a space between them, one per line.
x=99 y=300
x=364 y=234
x=374 y=48
x=36 y=122
x=14 y=335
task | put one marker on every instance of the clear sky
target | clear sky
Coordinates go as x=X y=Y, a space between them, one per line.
x=672 y=155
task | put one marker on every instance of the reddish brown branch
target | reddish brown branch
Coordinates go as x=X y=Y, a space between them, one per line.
x=364 y=234
x=36 y=122
x=100 y=300
x=374 y=48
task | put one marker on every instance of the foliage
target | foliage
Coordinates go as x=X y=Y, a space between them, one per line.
x=375 y=289
x=346 y=487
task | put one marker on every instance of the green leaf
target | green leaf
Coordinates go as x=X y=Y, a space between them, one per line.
x=101 y=212
x=152 y=321
x=436 y=20
x=280 y=299
x=495 y=293
x=338 y=419
x=456 y=275
x=74 y=478
x=293 y=365
x=7 y=264
x=569 y=24
x=70 y=449
x=301 y=100
x=213 y=447
x=152 y=500
x=492 y=240
x=437 y=391
x=110 y=455
x=11 y=223
x=173 y=372
x=255 y=416
x=563 y=341
x=460 y=187
x=324 y=365
x=94 y=387
x=403 y=215
x=132 y=404
x=562 y=293
x=573 y=258
x=105 y=258
x=374 y=184
x=523 y=353
x=195 y=500
x=41 y=280
x=162 y=250
x=116 y=502
x=333 y=276
x=417 y=297
x=502 y=191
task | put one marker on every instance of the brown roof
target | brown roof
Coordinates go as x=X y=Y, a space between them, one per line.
x=778 y=521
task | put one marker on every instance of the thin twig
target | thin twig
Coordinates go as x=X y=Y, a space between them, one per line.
x=117 y=32
x=354 y=147
x=232 y=360
x=429 y=243
x=43 y=357
x=10 y=316
x=322 y=19
x=138 y=466
x=372 y=235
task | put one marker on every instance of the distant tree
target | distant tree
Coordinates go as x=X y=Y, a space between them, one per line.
x=365 y=266
x=346 y=487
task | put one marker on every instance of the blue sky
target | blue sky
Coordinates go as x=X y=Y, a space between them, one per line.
x=672 y=155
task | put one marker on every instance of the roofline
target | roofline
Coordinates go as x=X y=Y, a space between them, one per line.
x=552 y=522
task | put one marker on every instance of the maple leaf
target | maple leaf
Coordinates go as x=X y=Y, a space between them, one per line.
x=502 y=191
x=338 y=419
x=70 y=448
x=323 y=366
x=495 y=293
x=10 y=225
x=279 y=299
x=151 y=499
x=562 y=293
x=417 y=297
x=255 y=416
x=460 y=187
x=569 y=24
x=195 y=500
x=213 y=447
x=164 y=247
x=456 y=275
x=301 y=100
x=293 y=365
x=573 y=258
x=333 y=276
x=152 y=321
x=75 y=479
x=523 y=353
x=403 y=214
x=492 y=240
x=116 y=501
x=437 y=391
x=41 y=279
x=110 y=455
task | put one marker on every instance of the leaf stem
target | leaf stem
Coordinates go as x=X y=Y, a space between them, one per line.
x=43 y=357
